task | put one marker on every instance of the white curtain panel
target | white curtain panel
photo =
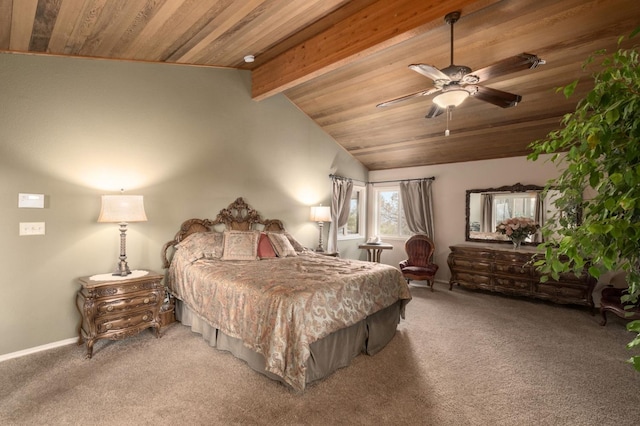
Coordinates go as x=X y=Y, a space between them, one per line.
x=417 y=203
x=340 y=203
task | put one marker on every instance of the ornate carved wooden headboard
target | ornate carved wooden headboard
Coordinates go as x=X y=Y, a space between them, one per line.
x=237 y=216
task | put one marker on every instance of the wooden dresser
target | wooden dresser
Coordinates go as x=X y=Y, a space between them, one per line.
x=500 y=268
x=118 y=308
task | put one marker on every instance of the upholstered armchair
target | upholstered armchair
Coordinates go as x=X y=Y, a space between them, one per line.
x=418 y=266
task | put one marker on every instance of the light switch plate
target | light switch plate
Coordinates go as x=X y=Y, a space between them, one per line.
x=31 y=228
x=31 y=201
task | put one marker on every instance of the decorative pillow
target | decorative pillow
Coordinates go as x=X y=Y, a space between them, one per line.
x=294 y=243
x=240 y=245
x=214 y=245
x=281 y=245
x=265 y=249
x=202 y=244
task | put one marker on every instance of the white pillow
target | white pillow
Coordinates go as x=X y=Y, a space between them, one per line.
x=240 y=245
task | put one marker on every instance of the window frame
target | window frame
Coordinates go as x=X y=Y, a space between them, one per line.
x=376 y=225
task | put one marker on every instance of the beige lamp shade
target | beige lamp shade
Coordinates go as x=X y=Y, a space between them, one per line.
x=122 y=209
x=451 y=98
x=320 y=214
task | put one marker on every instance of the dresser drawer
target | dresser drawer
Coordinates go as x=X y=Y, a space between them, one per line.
x=513 y=284
x=107 y=324
x=562 y=291
x=123 y=289
x=124 y=304
x=472 y=253
x=471 y=279
x=470 y=264
x=512 y=269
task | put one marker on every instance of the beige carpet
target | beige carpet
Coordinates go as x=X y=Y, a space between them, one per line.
x=460 y=358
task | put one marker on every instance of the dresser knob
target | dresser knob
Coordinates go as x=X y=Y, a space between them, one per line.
x=110 y=308
x=108 y=326
x=146 y=317
x=146 y=300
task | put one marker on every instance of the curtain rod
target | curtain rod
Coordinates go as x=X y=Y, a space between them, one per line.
x=403 y=180
x=332 y=176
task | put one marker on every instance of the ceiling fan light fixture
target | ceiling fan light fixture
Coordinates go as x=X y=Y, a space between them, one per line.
x=451 y=98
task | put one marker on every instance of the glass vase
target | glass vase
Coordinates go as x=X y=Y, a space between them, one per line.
x=517 y=241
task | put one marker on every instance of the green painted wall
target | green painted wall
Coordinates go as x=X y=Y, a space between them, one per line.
x=191 y=140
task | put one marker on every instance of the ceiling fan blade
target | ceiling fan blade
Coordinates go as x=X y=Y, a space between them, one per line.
x=404 y=98
x=497 y=97
x=429 y=71
x=434 y=111
x=516 y=63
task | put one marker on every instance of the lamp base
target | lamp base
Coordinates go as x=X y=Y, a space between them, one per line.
x=122 y=270
x=320 y=248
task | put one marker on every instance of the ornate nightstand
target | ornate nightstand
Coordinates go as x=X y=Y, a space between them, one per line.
x=118 y=307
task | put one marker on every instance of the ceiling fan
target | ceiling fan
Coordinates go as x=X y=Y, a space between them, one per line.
x=457 y=82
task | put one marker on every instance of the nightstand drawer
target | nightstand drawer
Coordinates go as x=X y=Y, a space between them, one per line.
x=122 y=289
x=128 y=303
x=108 y=324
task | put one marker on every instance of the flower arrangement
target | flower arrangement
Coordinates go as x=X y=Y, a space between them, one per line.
x=518 y=227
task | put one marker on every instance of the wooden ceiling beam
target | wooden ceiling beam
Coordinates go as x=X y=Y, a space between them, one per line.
x=379 y=26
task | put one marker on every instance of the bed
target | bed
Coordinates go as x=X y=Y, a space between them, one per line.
x=248 y=287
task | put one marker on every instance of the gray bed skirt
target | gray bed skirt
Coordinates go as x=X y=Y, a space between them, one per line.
x=327 y=354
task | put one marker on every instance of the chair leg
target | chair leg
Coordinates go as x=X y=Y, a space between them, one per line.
x=603 y=312
x=431 y=282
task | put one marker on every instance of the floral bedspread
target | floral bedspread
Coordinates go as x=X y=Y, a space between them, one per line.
x=279 y=306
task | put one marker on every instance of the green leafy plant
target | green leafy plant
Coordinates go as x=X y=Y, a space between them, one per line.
x=598 y=151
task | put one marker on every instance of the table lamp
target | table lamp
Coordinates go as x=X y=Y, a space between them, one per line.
x=320 y=214
x=122 y=209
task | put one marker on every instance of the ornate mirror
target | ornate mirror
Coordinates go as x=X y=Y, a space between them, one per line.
x=486 y=208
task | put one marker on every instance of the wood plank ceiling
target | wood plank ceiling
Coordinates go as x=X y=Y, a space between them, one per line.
x=337 y=59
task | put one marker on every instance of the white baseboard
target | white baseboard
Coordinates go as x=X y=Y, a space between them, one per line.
x=38 y=349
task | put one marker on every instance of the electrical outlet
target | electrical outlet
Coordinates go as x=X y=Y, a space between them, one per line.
x=31 y=228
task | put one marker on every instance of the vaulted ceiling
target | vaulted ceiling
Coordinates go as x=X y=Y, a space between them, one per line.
x=337 y=59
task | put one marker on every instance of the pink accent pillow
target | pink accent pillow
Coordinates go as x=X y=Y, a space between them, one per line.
x=265 y=249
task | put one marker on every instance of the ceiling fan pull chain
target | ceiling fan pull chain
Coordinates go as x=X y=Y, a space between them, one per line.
x=449 y=110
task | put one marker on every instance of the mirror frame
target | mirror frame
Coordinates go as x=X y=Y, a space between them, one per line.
x=518 y=187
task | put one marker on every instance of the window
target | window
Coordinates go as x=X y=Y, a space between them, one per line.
x=389 y=216
x=355 y=226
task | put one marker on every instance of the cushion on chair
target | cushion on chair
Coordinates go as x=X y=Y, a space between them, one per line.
x=428 y=270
